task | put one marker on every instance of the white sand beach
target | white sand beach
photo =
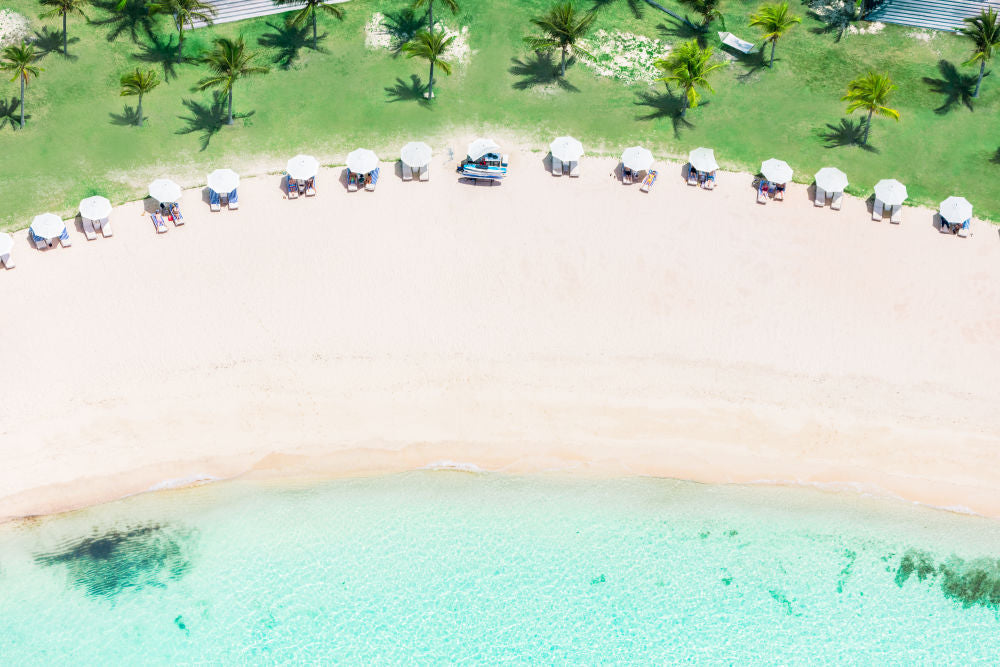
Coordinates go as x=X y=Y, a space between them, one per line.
x=545 y=324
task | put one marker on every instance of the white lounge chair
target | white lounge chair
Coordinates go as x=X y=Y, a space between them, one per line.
x=106 y=228
x=897 y=214
x=574 y=169
x=425 y=173
x=352 y=182
x=648 y=180
x=88 y=229
x=407 y=172
x=837 y=201
x=709 y=182
x=877 y=210
x=40 y=243
x=234 y=200
x=627 y=176
x=964 y=229
x=762 y=195
x=734 y=42
x=820 y=199
x=557 y=167
x=64 y=240
x=310 y=186
x=7 y=261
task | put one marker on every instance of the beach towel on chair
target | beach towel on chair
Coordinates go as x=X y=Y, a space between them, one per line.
x=214 y=200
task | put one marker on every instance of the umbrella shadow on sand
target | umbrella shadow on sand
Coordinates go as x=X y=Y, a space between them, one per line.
x=411 y=91
x=665 y=105
x=128 y=116
x=849 y=132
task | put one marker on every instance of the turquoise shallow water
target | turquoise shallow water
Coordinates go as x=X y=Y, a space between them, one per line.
x=435 y=567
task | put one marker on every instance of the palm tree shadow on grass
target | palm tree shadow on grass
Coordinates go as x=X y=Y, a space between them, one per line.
x=128 y=116
x=849 y=132
x=684 y=31
x=540 y=69
x=637 y=7
x=995 y=158
x=206 y=118
x=162 y=52
x=402 y=25
x=48 y=41
x=288 y=40
x=412 y=91
x=956 y=87
x=754 y=63
x=10 y=113
x=665 y=105
x=134 y=20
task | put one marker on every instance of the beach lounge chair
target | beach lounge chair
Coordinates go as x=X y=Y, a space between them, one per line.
x=837 y=201
x=692 y=176
x=88 y=228
x=779 y=191
x=106 y=228
x=762 y=190
x=161 y=227
x=626 y=176
x=820 y=199
x=64 y=239
x=407 y=172
x=897 y=214
x=214 y=200
x=965 y=229
x=734 y=42
x=39 y=242
x=372 y=180
x=234 y=200
x=175 y=211
x=7 y=261
x=877 y=210
x=648 y=181
x=311 y=187
x=352 y=182
x=425 y=173
x=557 y=167
x=709 y=181
x=292 y=187
x=574 y=169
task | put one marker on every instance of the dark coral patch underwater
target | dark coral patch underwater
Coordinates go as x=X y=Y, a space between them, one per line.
x=972 y=583
x=107 y=563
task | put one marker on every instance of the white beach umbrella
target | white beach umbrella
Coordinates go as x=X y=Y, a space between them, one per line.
x=890 y=191
x=956 y=209
x=223 y=180
x=637 y=158
x=165 y=190
x=362 y=161
x=703 y=159
x=302 y=167
x=566 y=149
x=831 y=179
x=6 y=243
x=48 y=225
x=416 y=154
x=95 y=208
x=776 y=171
x=481 y=147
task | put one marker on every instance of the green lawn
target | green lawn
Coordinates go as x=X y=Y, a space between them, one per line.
x=345 y=95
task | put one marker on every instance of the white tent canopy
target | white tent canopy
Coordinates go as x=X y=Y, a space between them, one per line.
x=703 y=159
x=637 y=158
x=95 y=208
x=481 y=147
x=362 y=161
x=48 y=225
x=956 y=209
x=6 y=244
x=831 y=179
x=302 y=167
x=164 y=190
x=223 y=180
x=776 y=171
x=416 y=154
x=566 y=149
x=890 y=191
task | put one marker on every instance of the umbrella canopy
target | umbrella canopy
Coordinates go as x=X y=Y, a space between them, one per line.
x=362 y=161
x=416 y=154
x=637 y=158
x=831 y=179
x=223 y=180
x=481 y=147
x=890 y=191
x=956 y=209
x=566 y=149
x=95 y=208
x=302 y=167
x=6 y=243
x=48 y=225
x=165 y=190
x=703 y=159
x=776 y=171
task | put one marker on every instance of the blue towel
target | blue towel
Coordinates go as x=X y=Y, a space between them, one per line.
x=213 y=197
x=375 y=176
x=65 y=235
x=35 y=237
x=233 y=198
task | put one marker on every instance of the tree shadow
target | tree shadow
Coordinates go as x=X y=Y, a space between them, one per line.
x=402 y=25
x=412 y=91
x=665 y=105
x=995 y=158
x=10 y=113
x=541 y=69
x=849 y=132
x=48 y=41
x=205 y=118
x=835 y=19
x=753 y=64
x=956 y=87
x=134 y=20
x=161 y=51
x=683 y=30
x=637 y=7
x=288 y=40
x=128 y=116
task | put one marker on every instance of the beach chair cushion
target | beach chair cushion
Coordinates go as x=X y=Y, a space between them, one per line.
x=407 y=172
x=837 y=201
x=897 y=214
x=106 y=229
x=820 y=199
x=877 y=211
x=7 y=261
x=291 y=187
x=370 y=185
x=964 y=230
x=214 y=200
x=557 y=166
x=88 y=229
x=574 y=169
x=158 y=223
x=39 y=242
x=310 y=187
x=234 y=200
x=64 y=239
x=425 y=173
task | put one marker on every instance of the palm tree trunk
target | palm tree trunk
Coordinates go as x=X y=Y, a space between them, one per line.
x=315 y=42
x=65 y=40
x=230 y=121
x=868 y=127
x=982 y=69
x=180 y=39
x=140 y=110
x=22 y=101
x=430 y=16
x=773 y=43
x=684 y=107
x=562 y=66
x=430 y=83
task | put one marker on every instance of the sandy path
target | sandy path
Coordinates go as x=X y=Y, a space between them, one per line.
x=543 y=324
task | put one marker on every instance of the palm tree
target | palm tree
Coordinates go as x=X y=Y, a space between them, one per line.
x=562 y=28
x=870 y=93
x=309 y=11
x=688 y=67
x=450 y=4
x=984 y=31
x=229 y=62
x=64 y=8
x=19 y=59
x=708 y=9
x=774 y=21
x=430 y=46
x=139 y=83
x=185 y=12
